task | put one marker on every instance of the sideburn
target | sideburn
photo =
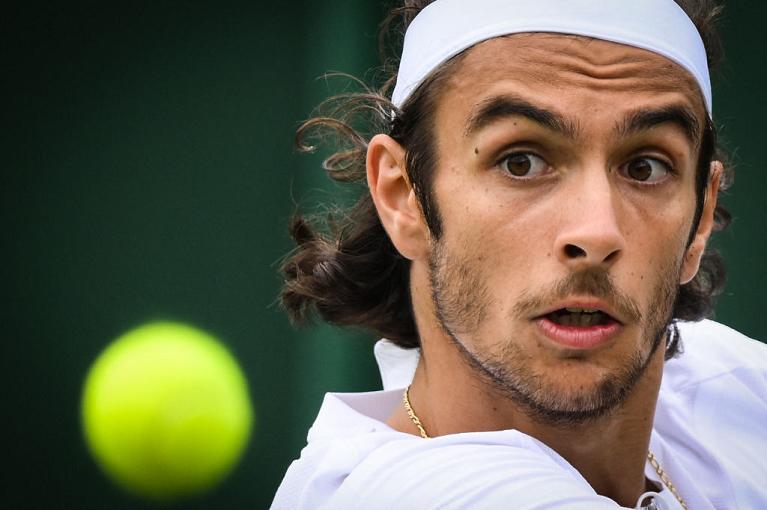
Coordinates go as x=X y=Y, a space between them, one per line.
x=459 y=297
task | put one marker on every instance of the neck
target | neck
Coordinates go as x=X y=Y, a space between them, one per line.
x=609 y=452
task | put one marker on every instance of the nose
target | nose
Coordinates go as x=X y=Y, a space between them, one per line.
x=590 y=234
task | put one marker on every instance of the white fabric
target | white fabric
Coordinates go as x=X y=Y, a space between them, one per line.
x=396 y=365
x=447 y=27
x=709 y=436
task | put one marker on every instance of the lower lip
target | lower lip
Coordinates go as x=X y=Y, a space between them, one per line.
x=574 y=337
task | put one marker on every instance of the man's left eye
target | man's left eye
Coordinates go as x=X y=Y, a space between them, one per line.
x=646 y=169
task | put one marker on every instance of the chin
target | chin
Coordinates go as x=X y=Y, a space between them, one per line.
x=565 y=392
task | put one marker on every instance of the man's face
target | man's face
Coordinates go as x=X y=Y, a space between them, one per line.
x=565 y=186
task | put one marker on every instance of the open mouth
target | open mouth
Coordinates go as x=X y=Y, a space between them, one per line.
x=580 y=317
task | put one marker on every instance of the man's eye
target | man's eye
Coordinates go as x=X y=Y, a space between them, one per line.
x=523 y=164
x=646 y=170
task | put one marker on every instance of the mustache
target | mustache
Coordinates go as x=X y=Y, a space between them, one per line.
x=592 y=281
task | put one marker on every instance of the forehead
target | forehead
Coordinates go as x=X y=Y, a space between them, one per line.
x=574 y=75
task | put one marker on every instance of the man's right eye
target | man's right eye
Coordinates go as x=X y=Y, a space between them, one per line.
x=523 y=165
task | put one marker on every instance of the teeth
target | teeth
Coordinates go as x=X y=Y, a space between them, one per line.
x=582 y=310
x=578 y=319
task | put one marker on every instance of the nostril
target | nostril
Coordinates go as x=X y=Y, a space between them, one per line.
x=574 y=252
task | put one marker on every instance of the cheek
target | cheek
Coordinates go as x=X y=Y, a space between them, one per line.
x=502 y=240
x=655 y=247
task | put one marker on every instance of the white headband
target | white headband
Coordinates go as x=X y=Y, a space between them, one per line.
x=447 y=27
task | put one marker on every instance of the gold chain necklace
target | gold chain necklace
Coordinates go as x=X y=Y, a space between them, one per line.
x=650 y=456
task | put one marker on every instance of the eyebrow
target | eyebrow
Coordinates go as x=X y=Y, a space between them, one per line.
x=645 y=120
x=500 y=107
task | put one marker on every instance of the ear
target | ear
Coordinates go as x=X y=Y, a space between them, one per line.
x=694 y=253
x=394 y=197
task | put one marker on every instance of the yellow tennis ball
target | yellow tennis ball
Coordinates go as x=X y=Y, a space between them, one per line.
x=166 y=411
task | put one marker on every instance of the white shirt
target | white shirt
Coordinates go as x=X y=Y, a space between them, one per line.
x=709 y=435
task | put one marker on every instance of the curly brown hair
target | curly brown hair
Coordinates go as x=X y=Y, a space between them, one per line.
x=344 y=266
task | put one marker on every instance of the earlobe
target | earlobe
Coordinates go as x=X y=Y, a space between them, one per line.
x=394 y=197
x=697 y=247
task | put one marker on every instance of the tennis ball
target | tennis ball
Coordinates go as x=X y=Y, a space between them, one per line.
x=166 y=411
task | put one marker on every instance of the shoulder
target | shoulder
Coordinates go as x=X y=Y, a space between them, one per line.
x=712 y=350
x=712 y=409
x=347 y=428
x=353 y=457
x=473 y=470
x=711 y=335
x=719 y=371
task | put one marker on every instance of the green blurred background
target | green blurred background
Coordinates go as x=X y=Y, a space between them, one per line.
x=148 y=173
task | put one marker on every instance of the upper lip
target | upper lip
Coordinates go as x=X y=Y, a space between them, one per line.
x=583 y=302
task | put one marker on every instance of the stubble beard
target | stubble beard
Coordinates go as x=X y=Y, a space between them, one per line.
x=462 y=302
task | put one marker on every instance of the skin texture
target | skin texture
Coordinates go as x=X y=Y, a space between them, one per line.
x=538 y=215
